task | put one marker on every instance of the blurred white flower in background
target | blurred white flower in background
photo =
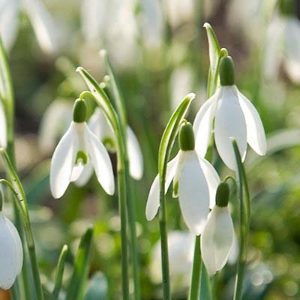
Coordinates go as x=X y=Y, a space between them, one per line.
x=283 y=48
x=181 y=251
x=55 y=122
x=11 y=253
x=47 y=31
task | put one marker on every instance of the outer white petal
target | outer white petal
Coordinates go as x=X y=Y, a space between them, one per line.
x=255 y=130
x=11 y=253
x=85 y=175
x=212 y=179
x=43 y=25
x=135 y=156
x=230 y=124
x=203 y=124
x=217 y=239
x=193 y=191
x=153 y=197
x=9 y=21
x=99 y=125
x=100 y=161
x=62 y=162
x=3 y=128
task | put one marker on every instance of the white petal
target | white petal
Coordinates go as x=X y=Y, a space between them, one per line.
x=100 y=126
x=134 y=155
x=43 y=25
x=217 y=239
x=85 y=175
x=212 y=178
x=11 y=253
x=100 y=161
x=9 y=21
x=230 y=124
x=76 y=172
x=62 y=163
x=152 y=205
x=193 y=191
x=203 y=125
x=255 y=130
x=3 y=128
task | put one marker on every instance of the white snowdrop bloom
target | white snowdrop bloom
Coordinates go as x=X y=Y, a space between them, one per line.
x=3 y=127
x=230 y=115
x=100 y=126
x=218 y=235
x=43 y=25
x=79 y=149
x=197 y=182
x=283 y=45
x=11 y=253
x=180 y=258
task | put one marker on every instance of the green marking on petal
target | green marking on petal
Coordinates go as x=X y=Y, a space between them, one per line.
x=81 y=158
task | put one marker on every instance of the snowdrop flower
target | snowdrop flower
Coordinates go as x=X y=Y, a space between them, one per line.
x=196 y=182
x=77 y=149
x=11 y=253
x=230 y=115
x=283 y=43
x=43 y=24
x=218 y=235
x=181 y=259
x=100 y=126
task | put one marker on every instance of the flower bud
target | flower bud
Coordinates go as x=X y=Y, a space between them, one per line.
x=186 y=137
x=79 y=111
x=222 y=195
x=226 y=71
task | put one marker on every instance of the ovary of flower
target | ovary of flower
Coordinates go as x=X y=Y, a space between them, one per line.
x=230 y=115
x=11 y=253
x=217 y=239
x=197 y=185
x=100 y=126
x=78 y=149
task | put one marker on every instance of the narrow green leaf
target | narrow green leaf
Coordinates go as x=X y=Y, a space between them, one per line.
x=205 y=288
x=170 y=133
x=119 y=101
x=97 y=289
x=60 y=271
x=81 y=266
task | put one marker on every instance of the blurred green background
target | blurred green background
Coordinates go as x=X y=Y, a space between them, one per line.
x=159 y=52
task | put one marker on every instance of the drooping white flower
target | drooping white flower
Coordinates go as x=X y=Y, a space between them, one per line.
x=218 y=235
x=79 y=149
x=11 y=253
x=100 y=126
x=180 y=258
x=197 y=182
x=230 y=115
x=43 y=24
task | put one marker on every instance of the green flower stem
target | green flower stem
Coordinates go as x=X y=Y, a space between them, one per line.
x=164 y=242
x=195 y=279
x=121 y=110
x=245 y=206
x=24 y=216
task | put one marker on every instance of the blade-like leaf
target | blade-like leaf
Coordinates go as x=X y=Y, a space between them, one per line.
x=79 y=277
x=60 y=271
x=97 y=289
x=170 y=133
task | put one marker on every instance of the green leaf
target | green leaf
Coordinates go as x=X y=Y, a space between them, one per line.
x=119 y=101
x=60 y=271
x=81 y=266
x=205 y=288
x=169 y=135
x=97 y=289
